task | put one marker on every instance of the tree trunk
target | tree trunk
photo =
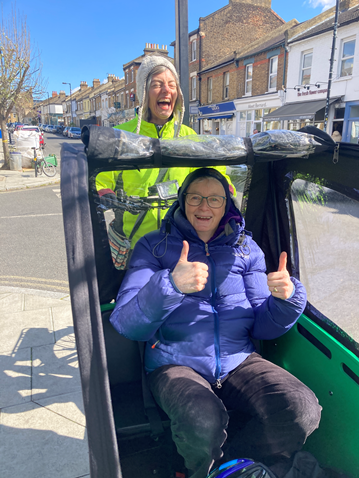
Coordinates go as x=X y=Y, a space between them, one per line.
x=5 y=143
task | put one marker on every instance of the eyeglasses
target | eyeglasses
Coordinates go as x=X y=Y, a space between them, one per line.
x=214 y=202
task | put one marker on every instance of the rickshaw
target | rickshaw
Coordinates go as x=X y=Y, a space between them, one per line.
x=299 y=193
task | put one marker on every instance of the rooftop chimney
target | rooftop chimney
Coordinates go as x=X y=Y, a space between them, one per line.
x=96 y=82
x=83 y=85
x=54 y=94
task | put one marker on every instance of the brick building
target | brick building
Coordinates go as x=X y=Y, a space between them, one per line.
x=233 y=27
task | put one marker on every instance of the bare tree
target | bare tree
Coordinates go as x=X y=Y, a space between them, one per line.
x=20 y=70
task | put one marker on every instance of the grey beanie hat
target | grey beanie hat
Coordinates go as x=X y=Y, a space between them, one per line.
x=147 y=65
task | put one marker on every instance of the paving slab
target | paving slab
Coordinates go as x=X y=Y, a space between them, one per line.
x=15 y=378
x=35 y=442
x=68 y=405
x=62 y=320
x=32 y=302
x=11 y=302
x=55 y=369
x=25 y=329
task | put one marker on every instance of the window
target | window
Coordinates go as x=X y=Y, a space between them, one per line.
x=306 y=68
x=249 y=75
x=122 y=103
x=194 y=80
x=318 y=211
x=347 y=58
x=194 y=50
x=226 y=85
x=131 y=75
x=273 y=68
x=126 y=76
x=209 y=90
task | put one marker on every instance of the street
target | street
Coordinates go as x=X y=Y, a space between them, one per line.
x=33 y=252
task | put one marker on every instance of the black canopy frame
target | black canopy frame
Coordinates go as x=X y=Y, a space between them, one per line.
x=94 y=281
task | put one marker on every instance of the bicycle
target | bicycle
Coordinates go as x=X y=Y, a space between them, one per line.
x=42 y=166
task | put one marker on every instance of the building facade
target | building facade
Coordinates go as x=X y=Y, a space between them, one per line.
x=309 y=51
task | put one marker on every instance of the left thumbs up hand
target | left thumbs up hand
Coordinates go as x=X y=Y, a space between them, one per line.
x=279 y=282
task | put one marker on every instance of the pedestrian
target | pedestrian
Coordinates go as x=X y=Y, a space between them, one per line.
x=196 y=292
x=255 y=131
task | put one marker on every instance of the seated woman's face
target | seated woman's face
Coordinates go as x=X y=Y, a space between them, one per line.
x=205 y=219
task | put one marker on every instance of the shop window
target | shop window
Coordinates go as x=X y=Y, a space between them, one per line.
x=330 y=277
x=194 y=50
x=209 y=90
x=347 y=57
x=306 y=71
x=249 y=74
x=273 y=68
x=194 y=82
x=226 y=85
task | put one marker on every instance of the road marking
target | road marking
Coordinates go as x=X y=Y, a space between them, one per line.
x=57 y=192
x=31 y=215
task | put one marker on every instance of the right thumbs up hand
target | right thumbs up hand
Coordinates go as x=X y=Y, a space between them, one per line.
x=189 y=276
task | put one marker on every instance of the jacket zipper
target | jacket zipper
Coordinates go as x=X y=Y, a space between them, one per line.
x=216 y=321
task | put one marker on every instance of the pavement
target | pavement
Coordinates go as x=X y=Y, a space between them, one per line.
x=23 y=179
x=42 y=420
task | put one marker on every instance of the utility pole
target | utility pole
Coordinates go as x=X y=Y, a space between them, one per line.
x=182 y=52
x=331 y=67
x=48 y=108
x=64 y=83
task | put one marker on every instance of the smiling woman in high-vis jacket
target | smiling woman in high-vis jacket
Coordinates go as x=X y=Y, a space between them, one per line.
x=160 y=115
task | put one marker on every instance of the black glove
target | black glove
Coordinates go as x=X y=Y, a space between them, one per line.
x=108 y=200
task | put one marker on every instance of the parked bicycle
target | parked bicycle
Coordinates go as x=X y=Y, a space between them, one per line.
x=43 y=166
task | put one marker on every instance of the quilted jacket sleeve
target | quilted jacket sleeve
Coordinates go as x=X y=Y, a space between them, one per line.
x=146 y=296
x=273 y=317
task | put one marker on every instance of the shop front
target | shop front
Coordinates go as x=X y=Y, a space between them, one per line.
x=217 y=119
x=294 y=116
x=250 y=114
x=351 y=122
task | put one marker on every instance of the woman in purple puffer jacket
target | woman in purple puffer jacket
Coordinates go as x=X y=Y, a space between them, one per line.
x=196 y=291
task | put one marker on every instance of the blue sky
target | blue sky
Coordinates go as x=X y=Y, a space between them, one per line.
x=80 y=41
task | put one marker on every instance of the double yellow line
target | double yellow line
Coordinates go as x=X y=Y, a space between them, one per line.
x=34 y=283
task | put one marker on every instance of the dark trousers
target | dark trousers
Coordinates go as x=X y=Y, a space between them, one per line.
x=281 y=412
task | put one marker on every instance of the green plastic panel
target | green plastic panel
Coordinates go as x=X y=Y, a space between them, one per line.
x=332 y=372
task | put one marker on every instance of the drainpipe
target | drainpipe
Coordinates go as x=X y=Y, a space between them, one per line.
x=331 y=64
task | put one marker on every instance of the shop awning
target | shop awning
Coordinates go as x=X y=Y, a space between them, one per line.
x=294 y=111
x=216 y=117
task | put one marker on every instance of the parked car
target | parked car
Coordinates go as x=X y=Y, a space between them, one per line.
x=59 y=129
x=37 y=130
x=18 y=126
x=65 y=131
x=74 y=133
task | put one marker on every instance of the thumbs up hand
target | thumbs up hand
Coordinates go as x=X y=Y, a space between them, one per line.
x=279 y=282
x=189 y=277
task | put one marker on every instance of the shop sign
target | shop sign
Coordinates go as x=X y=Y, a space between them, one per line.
x=218 y=108
x=311 y=92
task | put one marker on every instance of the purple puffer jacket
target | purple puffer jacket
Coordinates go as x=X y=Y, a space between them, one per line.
x=209 y=331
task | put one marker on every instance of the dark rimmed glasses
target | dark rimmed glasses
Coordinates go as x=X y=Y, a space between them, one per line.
x=214 y=202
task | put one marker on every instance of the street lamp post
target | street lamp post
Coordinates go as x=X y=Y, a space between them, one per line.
x=64 y=83
x=48 y=108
